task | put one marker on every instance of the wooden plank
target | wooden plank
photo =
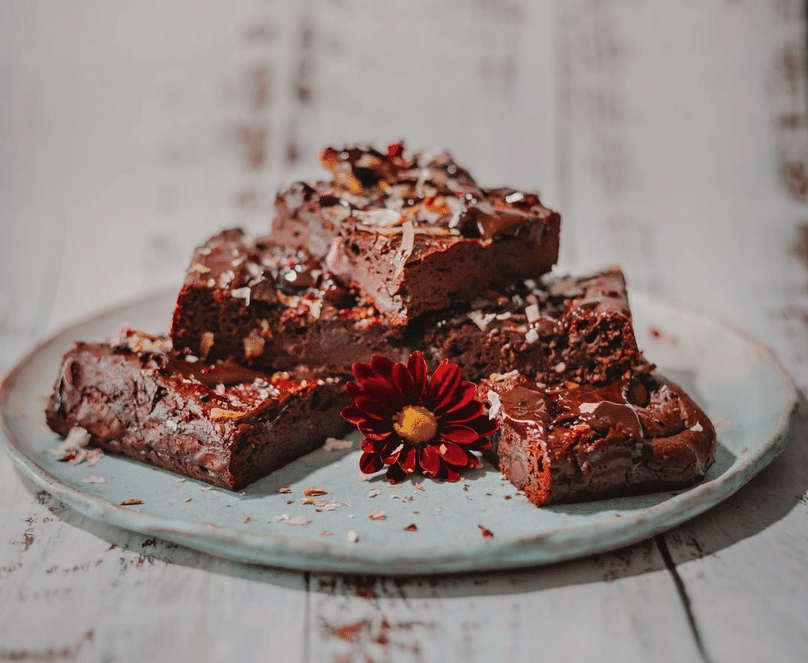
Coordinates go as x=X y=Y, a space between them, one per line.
x=687 y=156
x=679 y=133
x=162 y=137
x=73 y=589
x=615 y=607
x=744 y=564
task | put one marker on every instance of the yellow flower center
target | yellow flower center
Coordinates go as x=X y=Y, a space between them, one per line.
x=416 y=424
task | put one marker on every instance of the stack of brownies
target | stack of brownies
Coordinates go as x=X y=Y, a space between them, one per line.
x=395 y=252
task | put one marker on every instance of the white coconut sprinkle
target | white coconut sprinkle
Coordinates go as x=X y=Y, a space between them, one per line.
x=532 y=313
x=242 y=293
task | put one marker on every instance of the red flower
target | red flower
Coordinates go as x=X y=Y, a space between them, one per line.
x=415 y=423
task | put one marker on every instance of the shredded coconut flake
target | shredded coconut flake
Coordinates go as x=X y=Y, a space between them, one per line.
x=298 y=521
x=332 y=505
x=333 y=444
x=199 y=268
x=532 y=313
x=482 y=320
x=407 y=245
x=242 y=293
x=496 y=404
x=381 y=218
x=73 y=449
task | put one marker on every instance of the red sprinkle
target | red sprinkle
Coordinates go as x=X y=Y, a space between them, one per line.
x=394 y=151
x=487 y=533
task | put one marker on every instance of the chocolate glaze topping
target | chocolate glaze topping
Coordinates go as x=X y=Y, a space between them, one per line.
x=576 y=442
x=395 y=224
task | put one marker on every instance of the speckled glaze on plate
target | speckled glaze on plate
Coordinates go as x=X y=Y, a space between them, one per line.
x=421 y=526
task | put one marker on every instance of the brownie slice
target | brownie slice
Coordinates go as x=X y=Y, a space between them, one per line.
x=577 y=442
x=261 y=305
x=416 y=233
x=219 y=423
x=257 y=304
x=562 y=328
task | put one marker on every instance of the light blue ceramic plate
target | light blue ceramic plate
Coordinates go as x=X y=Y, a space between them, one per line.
x=366 y=526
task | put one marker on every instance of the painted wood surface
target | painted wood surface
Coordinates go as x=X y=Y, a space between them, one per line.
x=672 y=136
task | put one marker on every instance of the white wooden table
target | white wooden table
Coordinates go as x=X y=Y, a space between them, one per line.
x=671 y=135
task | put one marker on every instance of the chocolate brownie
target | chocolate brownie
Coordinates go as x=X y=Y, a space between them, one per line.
x=256 y=304
x=577 y=442
x=416 y=233
x=220 y=423
x=562 y=328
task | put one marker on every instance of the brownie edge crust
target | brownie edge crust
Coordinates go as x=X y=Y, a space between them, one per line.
x=573 y=443
x=220 y=423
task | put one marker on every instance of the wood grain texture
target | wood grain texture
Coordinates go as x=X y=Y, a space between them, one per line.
x=672 y=136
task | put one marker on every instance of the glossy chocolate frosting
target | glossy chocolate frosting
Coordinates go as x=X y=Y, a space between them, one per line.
x=396 y=224
x=641 y=433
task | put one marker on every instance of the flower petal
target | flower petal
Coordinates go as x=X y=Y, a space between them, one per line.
x=483 y=444
x=362 y=371
x=353 y=389
x=459 y=434
x=484 y=425
x=465 y=395
x=418 y=370
x=352 y=414
x=449 y=473
x=381 y=446
x=383 y=390
x=443 y=385
x=453 y=454
x=395 y=473
x=408 y=459
x=370 y=463
x=403 y=381
x=382 y=366
x=393 y=454
x=375 y=428
x=374 y=408
x=429 y=460
x=466 y=413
